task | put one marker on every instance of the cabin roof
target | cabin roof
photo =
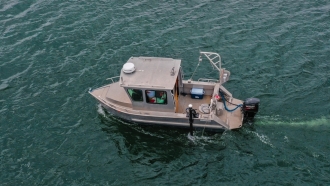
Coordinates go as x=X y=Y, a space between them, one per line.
x=151 y=72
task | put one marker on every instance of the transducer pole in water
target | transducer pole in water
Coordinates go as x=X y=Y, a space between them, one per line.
x=191 y=120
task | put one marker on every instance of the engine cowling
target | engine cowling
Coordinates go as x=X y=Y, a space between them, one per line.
x=250 y=108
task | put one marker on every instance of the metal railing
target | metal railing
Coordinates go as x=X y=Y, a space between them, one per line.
x=208 y=80
x=214 y=59
x=113 y=79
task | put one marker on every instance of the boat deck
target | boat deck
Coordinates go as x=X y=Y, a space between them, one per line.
x=233 y=119
x=184 y=101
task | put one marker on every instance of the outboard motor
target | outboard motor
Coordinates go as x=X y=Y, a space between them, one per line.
x=250 y=108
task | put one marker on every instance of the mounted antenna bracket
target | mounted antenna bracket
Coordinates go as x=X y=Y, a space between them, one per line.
x=172 y=72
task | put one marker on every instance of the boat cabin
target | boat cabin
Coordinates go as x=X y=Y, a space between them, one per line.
x=152 y=83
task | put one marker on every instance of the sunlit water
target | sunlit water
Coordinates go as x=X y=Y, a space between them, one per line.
x=52 y=132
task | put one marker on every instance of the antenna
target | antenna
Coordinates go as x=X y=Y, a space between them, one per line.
x=172 y=72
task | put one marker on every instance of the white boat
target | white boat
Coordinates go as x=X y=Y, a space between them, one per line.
x=151 y=90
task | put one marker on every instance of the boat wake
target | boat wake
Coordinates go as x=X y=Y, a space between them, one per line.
x=100 y=110
x=293 y=122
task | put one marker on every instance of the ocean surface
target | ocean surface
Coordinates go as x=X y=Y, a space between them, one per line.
x=52 y=132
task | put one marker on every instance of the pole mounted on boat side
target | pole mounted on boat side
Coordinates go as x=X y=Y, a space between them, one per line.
x=191 y=120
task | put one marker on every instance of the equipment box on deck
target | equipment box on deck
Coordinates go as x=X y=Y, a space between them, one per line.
x=197 y=93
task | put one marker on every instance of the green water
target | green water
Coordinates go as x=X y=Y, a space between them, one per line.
x=52 y=132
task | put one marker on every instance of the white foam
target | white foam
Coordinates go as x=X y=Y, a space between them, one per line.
x=100 y=110
x=263 y=138
x=266 y=120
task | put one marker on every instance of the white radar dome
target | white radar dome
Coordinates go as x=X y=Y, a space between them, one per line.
x=128 y=68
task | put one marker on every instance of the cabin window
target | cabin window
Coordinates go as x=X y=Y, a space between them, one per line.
x=135 y=94
x=156 y=97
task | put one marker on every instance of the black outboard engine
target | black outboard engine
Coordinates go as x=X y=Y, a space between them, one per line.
x=250 y=108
